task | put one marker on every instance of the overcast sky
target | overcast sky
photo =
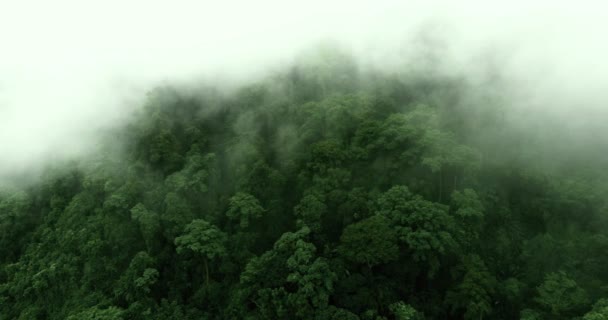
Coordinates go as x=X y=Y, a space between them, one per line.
x=70 y=67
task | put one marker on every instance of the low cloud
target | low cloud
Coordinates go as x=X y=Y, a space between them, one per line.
x=71 y=68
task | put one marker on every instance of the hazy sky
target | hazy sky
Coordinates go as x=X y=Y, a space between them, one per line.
x=70 y=67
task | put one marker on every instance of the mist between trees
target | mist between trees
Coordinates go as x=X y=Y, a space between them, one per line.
x=326 y=190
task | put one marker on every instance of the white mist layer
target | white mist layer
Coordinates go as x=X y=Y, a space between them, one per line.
x=69 y=68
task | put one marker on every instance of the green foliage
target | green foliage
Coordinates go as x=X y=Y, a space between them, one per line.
x=469 y=213
x=202 y=239
x=244 y=207
x=111 y=313
x=560 y=295
x=424 y=227
x=371 y=241
x=324 y=192
x=404 y=311
x=310 y=211
x=292 y=263
x=474 y=293
x=149 y=224
x=599 y=311
x=137 y=280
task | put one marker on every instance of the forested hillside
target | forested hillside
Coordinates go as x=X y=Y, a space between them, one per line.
x=321 y=192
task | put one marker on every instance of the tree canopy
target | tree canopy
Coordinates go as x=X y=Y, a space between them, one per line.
x=322 y=192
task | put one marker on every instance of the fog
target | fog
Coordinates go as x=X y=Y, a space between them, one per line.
x=71 y=68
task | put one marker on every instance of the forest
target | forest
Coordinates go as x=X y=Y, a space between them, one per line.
x=321 y=191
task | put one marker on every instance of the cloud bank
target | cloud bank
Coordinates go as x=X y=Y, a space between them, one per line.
x=70 y=68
